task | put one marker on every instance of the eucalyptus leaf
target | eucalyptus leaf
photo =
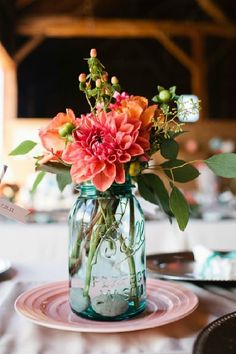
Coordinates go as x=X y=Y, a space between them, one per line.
x=53 y=167
x=169 y=149
x=223 y=165
x=23 y=148
x=181 y=170
x=63 y=179
x=38 y=179
x=152 y=189
x=179 y=207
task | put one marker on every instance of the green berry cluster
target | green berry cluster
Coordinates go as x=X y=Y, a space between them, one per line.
x=165 y=98
x=65 y=131
x=99 y=91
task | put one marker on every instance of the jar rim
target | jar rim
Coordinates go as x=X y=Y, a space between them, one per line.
x=115 y=187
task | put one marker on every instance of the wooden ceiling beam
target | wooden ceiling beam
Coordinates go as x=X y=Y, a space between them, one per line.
x=69 y=26
x=214 y=11
x=27 y=48
x=20 y=4
x=175 y=50
x=199 y=73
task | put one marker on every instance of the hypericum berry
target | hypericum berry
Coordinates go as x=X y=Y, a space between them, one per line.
x=164 y=96
x=66 y=129
x=98 y=83
x=134 y=168
x=105 y=76
x=114 y=80
x=93 y=53
x=82 y=77
x=70 y=138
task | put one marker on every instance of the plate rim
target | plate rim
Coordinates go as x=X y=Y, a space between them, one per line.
x=173 y=277
x=109 y=329
x=207 y=330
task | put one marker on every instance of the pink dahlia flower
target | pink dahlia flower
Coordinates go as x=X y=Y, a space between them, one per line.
x=102 y=145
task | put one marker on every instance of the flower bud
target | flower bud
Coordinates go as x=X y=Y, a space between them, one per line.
x=98 y=83
x=114 y=80
x=66 y=129
x=105 y=76
x=134 y=168
x=70 y=138
x=82 y=77
x=93 y=53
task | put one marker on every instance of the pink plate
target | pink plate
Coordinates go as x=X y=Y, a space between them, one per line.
x=47 y=305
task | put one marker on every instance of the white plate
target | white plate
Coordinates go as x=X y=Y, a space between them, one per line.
x=48 y=306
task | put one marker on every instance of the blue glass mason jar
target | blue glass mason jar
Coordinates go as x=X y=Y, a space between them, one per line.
x=107 y=263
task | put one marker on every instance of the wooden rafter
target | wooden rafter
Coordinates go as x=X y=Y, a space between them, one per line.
x=28 y=47
x=199 y=73
x=214 y=11
x=69 y=26
x=175 y=50
x=5 y=57
x=23 y=3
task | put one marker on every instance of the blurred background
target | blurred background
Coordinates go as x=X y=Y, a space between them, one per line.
x=145 y=43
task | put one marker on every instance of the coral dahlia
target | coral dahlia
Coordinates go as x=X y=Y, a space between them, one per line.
x=103 y=143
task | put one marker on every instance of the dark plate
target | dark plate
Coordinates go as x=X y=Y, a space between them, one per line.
x=218 y=337
x=178 y=266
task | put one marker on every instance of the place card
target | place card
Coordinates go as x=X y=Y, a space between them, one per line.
x=12 y=211
x=9 y=209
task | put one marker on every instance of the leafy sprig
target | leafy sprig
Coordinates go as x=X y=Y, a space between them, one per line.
x=98 y=91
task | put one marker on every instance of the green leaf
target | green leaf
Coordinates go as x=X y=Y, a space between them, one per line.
x=23 y=148
x=182 y=172
x=175 y=134
x=53 y=167
x=179 y=207
x=155 y=99
x=172 y=90
x=223 y=165
x=93 y=92
x=152 y=189
x=63 y=179
x=38 y=179
x=160 y=88
x=169 y=149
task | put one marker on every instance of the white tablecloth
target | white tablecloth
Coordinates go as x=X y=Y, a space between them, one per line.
x=39 y=253
x=34 y=242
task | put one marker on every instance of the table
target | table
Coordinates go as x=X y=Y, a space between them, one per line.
x=39 y=253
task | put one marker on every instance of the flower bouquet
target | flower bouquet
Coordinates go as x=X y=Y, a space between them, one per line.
x=104 y=153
